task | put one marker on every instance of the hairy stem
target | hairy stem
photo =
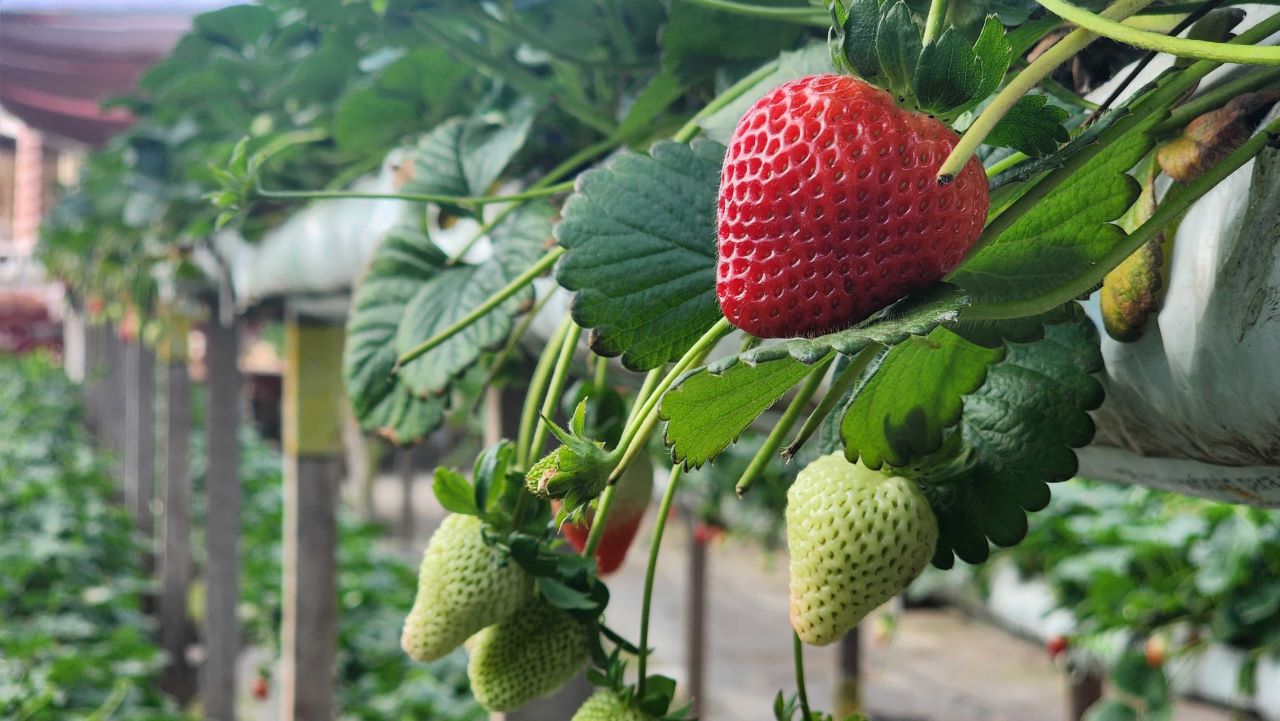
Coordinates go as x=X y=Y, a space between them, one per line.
x=933 y=23
x=839 y=387
x=659 y=527
x=1022 y=83
x=541 y=266
x=732 y=93
x=1181 y=47
x=559 y=377
x=797 y=652
x=537 y=387
x=467 y=201
x=512 y=341
x=773 y=441
x=598 y=520
x=804 y=16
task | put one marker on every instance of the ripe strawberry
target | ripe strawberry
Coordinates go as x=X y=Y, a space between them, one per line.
x=857 y=538
x=464 y=585
x=1056 y=645
x=605 y=705
x=531 y=654
x=260 y=688
x=829 y=208
x=634 y=491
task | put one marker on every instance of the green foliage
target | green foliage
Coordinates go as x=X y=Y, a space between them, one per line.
x=75 y=644
x=1033 y=126
x=640 y=219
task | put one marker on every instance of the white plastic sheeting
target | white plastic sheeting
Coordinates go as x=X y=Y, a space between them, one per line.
x=1194 y=405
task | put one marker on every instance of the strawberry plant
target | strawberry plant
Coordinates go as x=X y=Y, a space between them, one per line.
x=882 y=213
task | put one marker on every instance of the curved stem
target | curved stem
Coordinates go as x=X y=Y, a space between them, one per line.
x=773 y=441
x=1170 y=208
x=1005 y=163
x=509 y=347
x=414 y=197
x=732 y=93
x=1022 y=83
x=839 y=387
x=1181 y=47
x=659 y=527
x=537 y=387
x=804 y=16
x=797 y=652
x=630 y=434
x=1216 y=97
x=598 y=520
x=541 y=266
x=646 y=388
x=933 y=23
x=558 y=379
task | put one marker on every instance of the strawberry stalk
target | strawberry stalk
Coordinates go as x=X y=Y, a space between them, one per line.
x=774 y=441
x=797 y=653
x=537 y=388
x=869 y=356
x=559 y=377
x=659 y=527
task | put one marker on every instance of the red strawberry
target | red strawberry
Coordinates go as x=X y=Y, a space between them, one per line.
x=260 y=688
x=1156 y=651
x=1056 y=645
x=635 y=488
x=829 y=208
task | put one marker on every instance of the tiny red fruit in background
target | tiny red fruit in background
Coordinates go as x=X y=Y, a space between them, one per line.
x=830 y=209
x=1056 y=645
x=1157 y=651
x=705 y=533
x=260 y=688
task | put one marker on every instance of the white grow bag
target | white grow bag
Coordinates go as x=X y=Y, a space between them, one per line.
x=1193 y=405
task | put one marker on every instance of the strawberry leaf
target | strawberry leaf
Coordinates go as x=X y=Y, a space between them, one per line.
x=1033 y=126
x=853 y=36
x=465 y=156
x=898 y=46
x=1016 y=434
x=901 y=412
x=640 y=235
x=707 y=411
x=381 y=400
x=953 y=77
x=455 y=290
x=917 y=314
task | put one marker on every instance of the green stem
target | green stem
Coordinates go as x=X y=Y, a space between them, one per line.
x=839 y=387
x=509 y=347
x=1171 y=208
x=933 y=23
x=804 y=16
x=1005 y=163
x=659 y=527
x=559 y=378
x=1216 y=97
x=1180 y=47
x=471 y=201
x=631 y=440
x=797 y=653
x=564 y=168
x=732 y=93
x=1159 y=99
x=773 y=441
x=650 y=382
x=603 y=506
x=537 y=388
x=541 y=266
x=1022 y=84
x=601 y=379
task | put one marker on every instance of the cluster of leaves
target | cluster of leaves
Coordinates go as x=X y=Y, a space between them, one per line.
x=375 y=680
x=1133 y=564
x=75 y=644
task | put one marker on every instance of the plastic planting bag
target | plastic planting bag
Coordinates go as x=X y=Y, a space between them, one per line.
x=1193 y=405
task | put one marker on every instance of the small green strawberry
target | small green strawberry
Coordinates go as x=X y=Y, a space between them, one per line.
x=464 y=585
x=857 y=538
x=607 y=705
x=531 y=654
x=579 y=469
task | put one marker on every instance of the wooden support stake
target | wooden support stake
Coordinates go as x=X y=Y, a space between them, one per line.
x=114 y=405
x=222 y=526
x=176 y=562
x=140 y=437
x=696 y=623
x=312 y=434
x=1084 y=689
x=848 y=676
x=95 y=355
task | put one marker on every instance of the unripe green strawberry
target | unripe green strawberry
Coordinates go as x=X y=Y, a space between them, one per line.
x=605 y=705
x=857 y=538
x=464 y=585
x=531 y=654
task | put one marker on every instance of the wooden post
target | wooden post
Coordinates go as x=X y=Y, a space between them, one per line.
x=1084 y=689
x=140 y=436
x=222 y=525
x=848 y=676
x=115 y=402
x=696 y=622
x=176 y=560
x=312 y=435
x=95 y=349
